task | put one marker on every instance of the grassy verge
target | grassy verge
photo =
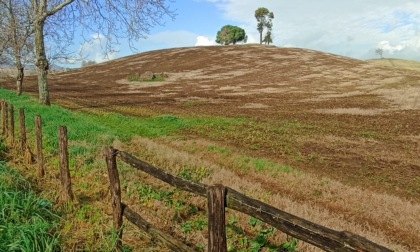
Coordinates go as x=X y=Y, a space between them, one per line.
x=27 y=223
x=86 y=222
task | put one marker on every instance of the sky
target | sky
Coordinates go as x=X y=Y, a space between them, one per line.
x=352 y=28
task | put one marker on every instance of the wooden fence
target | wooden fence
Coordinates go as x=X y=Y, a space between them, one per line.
x=219 y=197
x=8 y=133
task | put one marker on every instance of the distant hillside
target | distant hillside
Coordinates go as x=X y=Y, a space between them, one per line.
x=399 y=63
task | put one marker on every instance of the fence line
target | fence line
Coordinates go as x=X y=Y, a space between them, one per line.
x=322 y=237
x=25 y=151
x=219 y=197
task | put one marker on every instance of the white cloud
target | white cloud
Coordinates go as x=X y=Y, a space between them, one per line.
x=204 y=41
x=95 y=49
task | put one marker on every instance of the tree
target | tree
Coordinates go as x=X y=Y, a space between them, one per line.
x=4 y=36
x=113 y=19
x=86 y=63
x=18 y=46
x=230 y=34
x=268 y=39
x=379 y=51
x=265 y=20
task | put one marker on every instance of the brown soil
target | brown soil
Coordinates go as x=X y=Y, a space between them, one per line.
x=360 y=120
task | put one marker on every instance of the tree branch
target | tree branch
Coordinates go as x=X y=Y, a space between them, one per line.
x=59 y=7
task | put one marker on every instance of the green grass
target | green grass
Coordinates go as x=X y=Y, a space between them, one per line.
x=26 y=222
x=87 y=132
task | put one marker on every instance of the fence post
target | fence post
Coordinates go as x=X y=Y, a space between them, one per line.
x=12 y=125
x=65 y=178
x=1 y=112
x=40 y=157
x=114 y=181
x=216 y=196
x=22 y=131
x=4 y=117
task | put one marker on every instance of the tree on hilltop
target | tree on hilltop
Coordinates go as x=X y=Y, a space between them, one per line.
x=230 y=34
x=265 y=20
x=379 y=51
x=57 y=20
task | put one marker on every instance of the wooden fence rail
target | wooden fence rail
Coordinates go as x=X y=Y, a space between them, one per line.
x=322 y=237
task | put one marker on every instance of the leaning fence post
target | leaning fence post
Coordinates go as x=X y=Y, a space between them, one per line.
x=12 y=125
x=114 y=181
x=216 y=196
x=40 y=157
x=65 y=178
x=22 y=131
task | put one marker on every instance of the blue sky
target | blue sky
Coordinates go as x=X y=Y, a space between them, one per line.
x=349 y=28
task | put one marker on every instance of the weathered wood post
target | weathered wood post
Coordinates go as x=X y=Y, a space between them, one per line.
x=4 y=117
x=1 y=112
x=40 y=157
x=216 y=196
x=65 y=178
x=12 y=125
x=115 y=187
x=22 y=131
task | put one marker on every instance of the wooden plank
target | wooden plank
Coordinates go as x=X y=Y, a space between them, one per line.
x=155 y=233
x=196 y=188
x=65 y=178
x=22 y=131
x=216 y=197
x=115 y=187
x=322 y=237
x=40 y=156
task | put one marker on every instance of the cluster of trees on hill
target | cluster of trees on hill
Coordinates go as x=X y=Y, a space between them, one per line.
x=230 y=34
x=26 y=25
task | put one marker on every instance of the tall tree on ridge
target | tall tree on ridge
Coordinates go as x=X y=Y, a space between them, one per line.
x=265 y=20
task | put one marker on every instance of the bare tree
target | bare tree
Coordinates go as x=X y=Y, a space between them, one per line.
x=4 y=36
x=18 y=31
x=114 y=19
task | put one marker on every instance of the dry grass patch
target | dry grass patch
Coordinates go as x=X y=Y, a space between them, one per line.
x=385 y=219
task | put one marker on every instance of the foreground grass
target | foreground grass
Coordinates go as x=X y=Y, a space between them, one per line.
x=86 y=222
x=27 y=223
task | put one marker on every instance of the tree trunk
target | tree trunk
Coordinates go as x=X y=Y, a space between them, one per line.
x=19 y=78
x=41 y=62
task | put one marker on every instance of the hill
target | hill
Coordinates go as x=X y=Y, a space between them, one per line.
x=398 y=63
x=348 y=128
